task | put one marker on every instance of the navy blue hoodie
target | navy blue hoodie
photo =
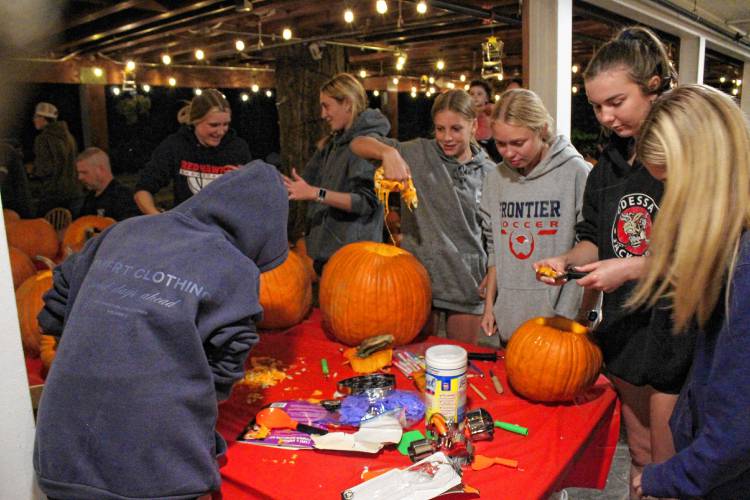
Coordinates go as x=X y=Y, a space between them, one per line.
x=157 y=318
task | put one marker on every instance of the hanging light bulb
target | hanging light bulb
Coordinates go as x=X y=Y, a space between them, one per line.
x=574 y=68
x=451 y=85
x=255 y=88
x=414 y=90
x=98 y=72
x=130 y=65
x=197 y=91
x=244 y=97
x=116 y=90
x=574 y=89
x=146 y=88
x=376 y=92
x=738 y=82
x=395 y=81
x=414 y=94
x=349 y=16
x=199 y=54
x=381 y=6
x=500 y=77
x=440 y=65
x=422 y=7
x=722 y=79
x=286 y=34
x=735 y=91
x=462 y=77
x=172 y=81
x=431 y=79
x=166 y=59
x=239 y=45
x=432 y=90
x=362 y=73
x=467 y=87
x=269 y=93
x=497 y=97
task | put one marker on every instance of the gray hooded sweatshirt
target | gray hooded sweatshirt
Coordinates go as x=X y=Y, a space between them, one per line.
x=444 y=232
x=336 y=168
x=529 y=218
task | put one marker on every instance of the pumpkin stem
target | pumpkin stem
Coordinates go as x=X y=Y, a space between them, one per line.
x=46 y=261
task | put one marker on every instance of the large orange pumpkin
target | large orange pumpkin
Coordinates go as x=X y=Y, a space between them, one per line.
x=285 y=294
x=370 y=289
x=83 y=229
x=552 y=359
x=300 y=248
x=21 y=265
x=10 y=216
x=29 y=303
x=33 y=237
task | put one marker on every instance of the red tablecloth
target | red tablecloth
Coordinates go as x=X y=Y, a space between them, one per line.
x=567 y=445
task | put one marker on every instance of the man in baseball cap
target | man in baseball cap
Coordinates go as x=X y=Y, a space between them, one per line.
x=46 y=110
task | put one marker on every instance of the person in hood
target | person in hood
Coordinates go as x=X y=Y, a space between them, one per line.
x=444 y=232
x=340 y=185
x=646 y=363
x=54 y=166
x=201 y=151
x=531 y=203
x=155 y=318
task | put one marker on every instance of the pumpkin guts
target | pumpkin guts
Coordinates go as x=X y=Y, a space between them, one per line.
x=384 y=187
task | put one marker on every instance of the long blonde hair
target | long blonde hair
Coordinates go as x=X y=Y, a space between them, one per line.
x=523 y=108
x=702 y=139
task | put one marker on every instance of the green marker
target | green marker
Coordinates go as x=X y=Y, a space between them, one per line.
x=324 y=366
x=512 y=428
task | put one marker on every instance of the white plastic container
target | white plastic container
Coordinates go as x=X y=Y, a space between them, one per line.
x=445 y=382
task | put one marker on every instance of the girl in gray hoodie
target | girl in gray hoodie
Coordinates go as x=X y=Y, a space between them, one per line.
x=530 y=205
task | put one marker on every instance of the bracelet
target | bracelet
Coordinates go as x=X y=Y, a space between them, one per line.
x=321 y=195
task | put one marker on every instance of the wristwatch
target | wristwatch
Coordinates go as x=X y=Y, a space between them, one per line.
x=321 y=195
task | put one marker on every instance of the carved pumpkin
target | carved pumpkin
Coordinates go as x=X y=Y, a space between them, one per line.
x=370 y=289
x=29 y=303
x=33 y=237
x=552 y=359
x=300 y=248
x=83 y=229
x=21 y=265
x=285 y=294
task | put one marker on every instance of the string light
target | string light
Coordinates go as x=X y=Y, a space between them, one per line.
x=395 y=81
x=269 y=93
x=432 y=90
x=166 y=59
x=146 y=88
x=244 y=97
x=431 y=79
x=172 y=82
x=462 y=77
x=497 y=97
x=98 y=72
x=422 y=7
x=116 y=90
x=414 y=90
x=414 y=94
x=376 y=93
x=451 y=85
x=197 y=91
x=199 y=54
x=286 y=34
x=722 y=79
x=381 y=6
x=500 y=77
x=239 y=45
x=739 y=82
x=735 y=91
x=574 y=68
x=349 y=16
x=362 y=73
x=467 y=87
x=440 y=65
x=130 y=65
x=255 y=88
x=574 y=89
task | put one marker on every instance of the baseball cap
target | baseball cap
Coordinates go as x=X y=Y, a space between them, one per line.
x=46 y=109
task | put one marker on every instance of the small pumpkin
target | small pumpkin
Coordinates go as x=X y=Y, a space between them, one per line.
x=21 y=265
x=47 y=350
x=552 y=359
x=285 y=294
x=371 y=363
x=83 y=229
x=33 y=237
x=29 y=304
x=370 y=289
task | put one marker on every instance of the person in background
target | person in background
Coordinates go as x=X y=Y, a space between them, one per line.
x=339 y=184
x=201 y=151
x=106 y=197
x=444 y=232
x=155 y=318
x=13 y=181
x=697 y=141
x=513 y=83
x=531 y=203
x=481 y=96
x=54 y=166
x=645 y=362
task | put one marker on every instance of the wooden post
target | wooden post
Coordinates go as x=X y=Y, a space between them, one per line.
x=94 y=116
x=298 y=81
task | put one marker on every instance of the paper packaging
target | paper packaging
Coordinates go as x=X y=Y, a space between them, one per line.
x=372 y=435
x=425 y=479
